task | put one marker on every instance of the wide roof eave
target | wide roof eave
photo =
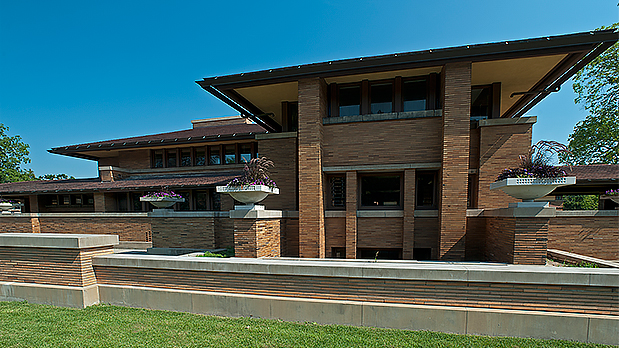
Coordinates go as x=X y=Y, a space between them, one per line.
x=584 y=41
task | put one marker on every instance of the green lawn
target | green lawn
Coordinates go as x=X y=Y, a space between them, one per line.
x=29 y=325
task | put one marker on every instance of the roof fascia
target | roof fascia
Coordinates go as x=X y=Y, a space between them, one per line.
x=476 y=53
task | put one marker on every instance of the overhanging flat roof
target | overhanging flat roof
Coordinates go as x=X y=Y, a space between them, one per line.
x=577 y=50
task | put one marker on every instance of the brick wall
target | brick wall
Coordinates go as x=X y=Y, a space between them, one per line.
x=134 y=159
x=257 y=237
x=15 y=224
x=335 y=233
x=179 y=232
x=379 y=232
x=283 y=152
x=595 y=236
x=312 y=109
x=500 y=148
x=408 y=223
x=224 y=232
x=127 y=228
x=475 y=238
x=548 y=297
x=70 y=267
x=387 y=142
x=351 y=215
x=455 y=160
x=427 y=234
x=290 y=237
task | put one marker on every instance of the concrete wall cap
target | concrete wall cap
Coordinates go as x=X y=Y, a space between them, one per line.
x=57 y=240
x=397 y=269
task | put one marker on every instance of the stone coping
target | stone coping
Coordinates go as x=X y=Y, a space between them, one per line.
x=381 y=213
x=398 y=269
x=383 y=117
x=57 y=240
x=587 y=213
x=507 y=121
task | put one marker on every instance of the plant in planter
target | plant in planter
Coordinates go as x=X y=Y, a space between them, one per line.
x=535 y=177
x=8 y=205
x=254 y=185
x=162 y=199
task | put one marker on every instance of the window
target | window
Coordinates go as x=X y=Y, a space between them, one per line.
x=245 y=153
x=381 y=191
x=135 y=199
x=350 y=100
x=414 y=95
x=200 y=156
x=171 y=155
x=158 y=159
x=338 y=253
x=184 y=205
x=422 y=254
x=214 y=155
x=230 y=154
x=481 y=101
x=201 y=198
x=425 y=189
x=186 y=157
x=336 y=197
x=381 y=97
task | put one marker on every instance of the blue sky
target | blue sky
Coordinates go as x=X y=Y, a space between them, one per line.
x=81 y=71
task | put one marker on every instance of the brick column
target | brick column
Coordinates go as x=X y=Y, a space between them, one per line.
x=312 y=109
x=454 y=173
x=257 y=237
x=408 y=230
x=351 y=215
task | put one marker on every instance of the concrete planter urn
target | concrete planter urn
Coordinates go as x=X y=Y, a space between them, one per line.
x=6 y=206
x=529 y=189
x=612 y=198
x=162 y=202
x=249 y=194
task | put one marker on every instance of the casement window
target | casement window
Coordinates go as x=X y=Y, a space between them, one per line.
x=336 y=194
x=400 y=94
x=349 y=100
x=245 y=153
x=486 y=101
x=414 y=95
x=200 y=156
x=186 y=157
x=426 y=189
x=171 y=158
x=214 y=155
x=204 y=155
x=381 y=97
x=158 y=159
x=382 y=191
x=229 y=154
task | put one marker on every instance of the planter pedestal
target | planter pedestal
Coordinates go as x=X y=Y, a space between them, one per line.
x=257 y=232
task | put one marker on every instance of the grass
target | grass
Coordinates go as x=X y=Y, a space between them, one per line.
x=581 y=264
x=229 y=252
x=29 y=325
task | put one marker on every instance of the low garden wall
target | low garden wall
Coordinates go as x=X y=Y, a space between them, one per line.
x=472 y=298
x=522 y=235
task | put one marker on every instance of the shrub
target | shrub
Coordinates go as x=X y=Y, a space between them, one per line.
x=581 y=202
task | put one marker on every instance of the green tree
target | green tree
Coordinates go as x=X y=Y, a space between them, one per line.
x=13 y=154
x=596 y=138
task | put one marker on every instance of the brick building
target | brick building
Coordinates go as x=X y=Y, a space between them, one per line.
x=376 y=154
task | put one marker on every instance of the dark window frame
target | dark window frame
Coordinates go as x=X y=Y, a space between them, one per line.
x=382 y=82
x=435 y=190
x=360 y=205
x=329 y=192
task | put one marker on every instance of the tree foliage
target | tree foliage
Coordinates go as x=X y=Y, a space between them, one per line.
x=13 y=154
x=596 y=139
x=580 y=202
